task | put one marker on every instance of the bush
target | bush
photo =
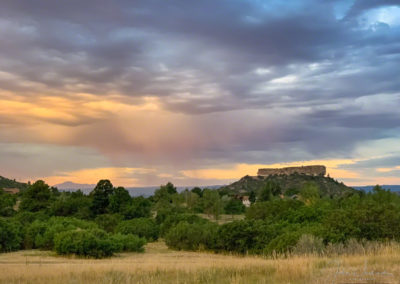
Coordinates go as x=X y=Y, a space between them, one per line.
x=84 y=243
x=10 y=235
x=309 y=244
x=185 y=236
x=139 y=207
x=108 y=222
x=142 y=227
x=40 y=234
x=173 y=220
x=237 y=236
x=128 y=242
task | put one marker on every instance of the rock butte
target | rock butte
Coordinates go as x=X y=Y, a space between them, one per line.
x=315 y=170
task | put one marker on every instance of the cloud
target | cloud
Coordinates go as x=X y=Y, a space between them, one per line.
x=181 y=85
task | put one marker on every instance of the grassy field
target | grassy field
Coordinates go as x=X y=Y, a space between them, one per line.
x=161 y=265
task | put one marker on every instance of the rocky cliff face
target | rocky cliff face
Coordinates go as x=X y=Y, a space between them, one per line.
x=316 y=170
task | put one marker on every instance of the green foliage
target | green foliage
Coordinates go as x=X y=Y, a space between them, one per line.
x=119 y=199
x=108 y=222
x=142 y=227
x=185 y=236
x=234 y=206
x=310 y=193
x=252 y=196
x=139 y=207
x=40 y=234
x=173 y=219
x=88 y=243
x=212 y=203
x=100 y=197
x=198 y=191
x=9 y=183
x=268 y=190
x=74 y=204
x=7 y=202
x=10 y=235
x=37 y=197
x=129 y=242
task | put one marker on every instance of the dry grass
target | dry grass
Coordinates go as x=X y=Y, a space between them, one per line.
x=223 y=218
x=161 y=265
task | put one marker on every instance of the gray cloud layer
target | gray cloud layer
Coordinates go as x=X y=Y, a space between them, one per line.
x=303 y=81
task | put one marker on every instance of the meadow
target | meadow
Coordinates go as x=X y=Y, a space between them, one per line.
x=162 y=265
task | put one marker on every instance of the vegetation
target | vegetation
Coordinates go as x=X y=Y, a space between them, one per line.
x=9 y=183
x=279 y=221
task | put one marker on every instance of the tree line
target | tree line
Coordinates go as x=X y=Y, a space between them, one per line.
x=109 y=220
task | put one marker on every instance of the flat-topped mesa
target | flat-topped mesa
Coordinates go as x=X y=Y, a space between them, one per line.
x=316 y=170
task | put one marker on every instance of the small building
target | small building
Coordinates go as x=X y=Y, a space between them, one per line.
x=246 y=201
x=11 y=190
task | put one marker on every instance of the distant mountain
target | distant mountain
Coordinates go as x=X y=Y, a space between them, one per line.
x=294 y=182
x=69 y=185
x=370 y=187
x=9 y=183
x=133 y=191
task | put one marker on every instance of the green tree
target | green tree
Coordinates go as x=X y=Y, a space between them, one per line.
x=212 y=203
x=36 y=197
x=234 y=206
x=7 y=202
x=119 y=198
x=10 y=235
x=100 y=196
x=309 y=193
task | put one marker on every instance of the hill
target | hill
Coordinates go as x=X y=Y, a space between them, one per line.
x=368 y=188
x=288 y=183
x=9 y=183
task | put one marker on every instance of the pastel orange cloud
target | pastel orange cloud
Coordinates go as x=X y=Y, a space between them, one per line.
x=385 y=170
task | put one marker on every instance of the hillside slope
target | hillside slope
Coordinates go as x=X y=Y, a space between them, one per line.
x=294 y=182
x=9 y=183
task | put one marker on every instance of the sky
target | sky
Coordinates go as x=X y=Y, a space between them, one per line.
x=198 y=92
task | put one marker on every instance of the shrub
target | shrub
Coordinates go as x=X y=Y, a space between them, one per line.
x=108 y=222
x=84 y=243
x=40 y=234
x=128 y=242
x=237 y=236
x=142 y=227
x=173 y=220
x=309 y=244
x=10 y=235
x=185 y=236
x=139 y=207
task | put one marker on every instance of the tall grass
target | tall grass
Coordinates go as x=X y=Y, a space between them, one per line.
x=161 y=265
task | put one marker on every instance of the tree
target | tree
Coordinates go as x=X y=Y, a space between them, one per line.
x=234 y=206
x=100 y=195
x=252 y=196
x=7 y=202
x=119 y=198
x=212 y=203
x=139 y=207
x=198 y=191
x=309 y=193
x=36 y=197
x=265 y=193
x=10 y=235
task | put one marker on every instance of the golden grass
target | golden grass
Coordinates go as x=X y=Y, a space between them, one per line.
x=161 y=265
x=223 y=218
